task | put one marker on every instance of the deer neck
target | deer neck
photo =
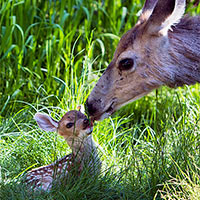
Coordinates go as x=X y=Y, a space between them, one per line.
x=178 y=62
x=85 y=151
x=183 y=65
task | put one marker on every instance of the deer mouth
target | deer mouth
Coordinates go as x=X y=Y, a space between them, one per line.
x=107 y=113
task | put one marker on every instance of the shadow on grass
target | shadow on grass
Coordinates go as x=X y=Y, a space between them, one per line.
x=108 y=185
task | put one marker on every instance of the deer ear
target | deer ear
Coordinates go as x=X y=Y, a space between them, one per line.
x=147 y=10
x=165 y=14
x=45 y=122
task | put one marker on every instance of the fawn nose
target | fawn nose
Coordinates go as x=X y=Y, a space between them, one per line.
x=86 y=123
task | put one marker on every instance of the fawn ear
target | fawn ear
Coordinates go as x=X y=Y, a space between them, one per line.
x=45 y=122
x=165 y=14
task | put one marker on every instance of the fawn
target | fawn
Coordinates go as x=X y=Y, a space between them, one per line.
x=76 y=129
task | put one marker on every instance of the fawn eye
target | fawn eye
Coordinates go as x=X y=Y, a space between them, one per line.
x=126 y=64
x=69 y=125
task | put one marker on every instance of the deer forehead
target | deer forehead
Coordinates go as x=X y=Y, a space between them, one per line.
x=77 y=124
x=72 y=116
x=139 y=43
x=133 y=43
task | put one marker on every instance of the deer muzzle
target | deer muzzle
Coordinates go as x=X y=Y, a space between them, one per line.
x=97 y=111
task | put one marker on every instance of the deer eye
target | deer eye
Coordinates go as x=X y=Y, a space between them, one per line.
x=126 y=64
x=69 y=125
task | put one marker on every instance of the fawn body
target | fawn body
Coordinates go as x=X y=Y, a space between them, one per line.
x=162 y=49
x=76 y=129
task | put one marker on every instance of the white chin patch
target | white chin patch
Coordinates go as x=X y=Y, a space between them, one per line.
x=85 y=133
x=105 y=115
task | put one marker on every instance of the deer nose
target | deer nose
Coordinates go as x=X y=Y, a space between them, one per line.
x=90 y=109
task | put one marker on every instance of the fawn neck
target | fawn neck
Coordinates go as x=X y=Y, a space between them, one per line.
x=84 y=151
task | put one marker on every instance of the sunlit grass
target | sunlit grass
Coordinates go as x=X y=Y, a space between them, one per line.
x=185 y=185
x=139 y=153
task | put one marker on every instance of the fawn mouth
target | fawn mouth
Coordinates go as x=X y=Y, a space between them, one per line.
x=89 y=130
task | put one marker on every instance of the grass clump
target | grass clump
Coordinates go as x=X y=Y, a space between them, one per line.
x=185 y=185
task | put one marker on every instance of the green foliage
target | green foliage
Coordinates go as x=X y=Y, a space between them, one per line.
x=48 y=47
x=185 y=185
x=51 y=55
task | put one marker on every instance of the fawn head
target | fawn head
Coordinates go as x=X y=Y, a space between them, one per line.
x=141 y=61
x=73 y=125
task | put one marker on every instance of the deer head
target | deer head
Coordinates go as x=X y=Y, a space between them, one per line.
x=74 y=126
x=149 y=55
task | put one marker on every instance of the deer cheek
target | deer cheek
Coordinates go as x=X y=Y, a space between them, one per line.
x=62 y=133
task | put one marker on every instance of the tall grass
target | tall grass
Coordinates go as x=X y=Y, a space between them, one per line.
x=51 y=55
x=184 y=186
x=50 y=44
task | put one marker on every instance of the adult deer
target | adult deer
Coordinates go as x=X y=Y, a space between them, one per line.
x=162 y=49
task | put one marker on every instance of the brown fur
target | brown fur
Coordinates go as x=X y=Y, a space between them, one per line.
x=72 y=116
x=165 y=52
x=79 y=138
